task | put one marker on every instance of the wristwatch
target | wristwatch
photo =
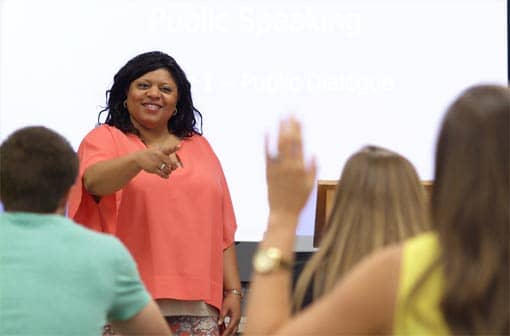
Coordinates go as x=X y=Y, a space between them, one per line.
x=267 y=260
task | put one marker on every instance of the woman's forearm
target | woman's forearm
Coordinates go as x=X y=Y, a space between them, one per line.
x=107 y=177
x=269 y=304
x=231 y=279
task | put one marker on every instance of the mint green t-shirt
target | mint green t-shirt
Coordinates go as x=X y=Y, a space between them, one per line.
x=59 y=278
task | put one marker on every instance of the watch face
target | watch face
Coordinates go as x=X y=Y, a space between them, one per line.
x=263 y=263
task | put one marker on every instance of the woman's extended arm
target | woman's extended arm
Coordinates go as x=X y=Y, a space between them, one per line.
x=107 y=177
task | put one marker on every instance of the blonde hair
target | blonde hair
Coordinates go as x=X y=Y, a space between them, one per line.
x=379 y=201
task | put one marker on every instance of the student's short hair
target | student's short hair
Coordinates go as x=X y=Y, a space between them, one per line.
x=37 y=168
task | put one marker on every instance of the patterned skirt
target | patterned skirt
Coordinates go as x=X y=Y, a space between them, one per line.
x=193 y=325
x=184 y=326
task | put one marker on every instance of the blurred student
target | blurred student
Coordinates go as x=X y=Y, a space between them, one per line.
x=379 y=201
x=57 y=277
x=453 y=280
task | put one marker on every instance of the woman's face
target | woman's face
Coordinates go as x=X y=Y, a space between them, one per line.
x=152 y=100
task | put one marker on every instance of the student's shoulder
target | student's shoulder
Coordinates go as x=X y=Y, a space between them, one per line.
x=97 y=241
x=392 y=255
x=385 y=260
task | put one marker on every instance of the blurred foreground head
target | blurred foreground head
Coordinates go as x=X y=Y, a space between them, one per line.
x=37 y=169
x=470 y=210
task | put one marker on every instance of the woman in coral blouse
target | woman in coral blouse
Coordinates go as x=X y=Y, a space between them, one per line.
x=149 y=177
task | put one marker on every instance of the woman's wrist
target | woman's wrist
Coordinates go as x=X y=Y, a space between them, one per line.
x=233 y=291
x=136 y=159
x=283 y=216
x=280 y=233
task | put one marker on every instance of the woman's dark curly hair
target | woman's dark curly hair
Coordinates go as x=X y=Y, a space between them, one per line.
x=182 y=124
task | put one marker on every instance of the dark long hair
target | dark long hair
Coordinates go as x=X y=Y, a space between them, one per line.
x=470 y=210
x=183 y=124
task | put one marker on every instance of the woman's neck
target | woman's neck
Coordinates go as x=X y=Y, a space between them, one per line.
x=150 y=137
x=154 y=137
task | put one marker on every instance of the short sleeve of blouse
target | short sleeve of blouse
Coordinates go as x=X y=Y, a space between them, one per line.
x=98 y=145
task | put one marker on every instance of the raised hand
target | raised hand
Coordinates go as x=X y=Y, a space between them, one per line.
x=289 y=180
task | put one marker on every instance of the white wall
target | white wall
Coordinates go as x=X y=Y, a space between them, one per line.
x=355 y=72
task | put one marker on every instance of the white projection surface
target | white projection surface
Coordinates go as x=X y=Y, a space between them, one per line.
x=355 y=72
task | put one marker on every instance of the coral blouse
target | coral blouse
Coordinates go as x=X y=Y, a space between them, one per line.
x=175 y=228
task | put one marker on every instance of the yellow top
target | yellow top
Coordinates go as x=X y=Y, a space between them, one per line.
x=420 y=315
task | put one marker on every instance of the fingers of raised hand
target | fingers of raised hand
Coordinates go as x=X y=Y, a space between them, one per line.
x=290 y=144
x=289 y=179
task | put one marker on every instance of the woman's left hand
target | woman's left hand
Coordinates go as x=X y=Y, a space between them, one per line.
x=231 y=308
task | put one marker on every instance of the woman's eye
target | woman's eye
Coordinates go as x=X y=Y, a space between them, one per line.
x=166 y=89
x=143 y=85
